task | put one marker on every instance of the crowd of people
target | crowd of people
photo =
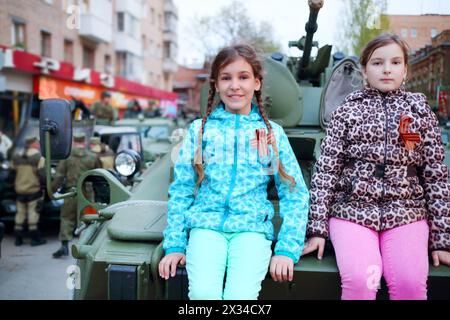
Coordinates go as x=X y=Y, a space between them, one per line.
x=87 y=153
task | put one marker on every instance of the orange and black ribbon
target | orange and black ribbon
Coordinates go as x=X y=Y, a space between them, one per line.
x=410 y=139
x=261 y=141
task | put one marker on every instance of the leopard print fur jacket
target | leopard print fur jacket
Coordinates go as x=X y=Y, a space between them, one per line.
x=365 y=173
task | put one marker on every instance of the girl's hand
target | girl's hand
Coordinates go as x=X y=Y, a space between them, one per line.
x=282 y=268
x=440 y=256
x=168 y=264
x=314 y=243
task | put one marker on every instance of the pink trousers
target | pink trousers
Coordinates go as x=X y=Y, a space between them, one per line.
x=364 y=255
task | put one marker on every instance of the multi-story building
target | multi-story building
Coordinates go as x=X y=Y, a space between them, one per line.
x=429 y=71
x=159 y=42
x=188 y=85
x=82 y=47
x=418 y=30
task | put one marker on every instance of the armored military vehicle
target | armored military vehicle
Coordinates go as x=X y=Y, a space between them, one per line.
x=155 y=135
x=120 y=247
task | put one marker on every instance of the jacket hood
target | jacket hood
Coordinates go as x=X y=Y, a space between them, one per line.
x=369 y=92
x=221 y=114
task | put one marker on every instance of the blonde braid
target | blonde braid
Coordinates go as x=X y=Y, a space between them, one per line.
x=281 y=170
x=198 y=161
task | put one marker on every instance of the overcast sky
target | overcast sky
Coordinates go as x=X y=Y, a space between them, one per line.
x=288 y=18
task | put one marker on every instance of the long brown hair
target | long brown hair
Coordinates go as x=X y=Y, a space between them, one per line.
x=226 y=56
x=381 y=41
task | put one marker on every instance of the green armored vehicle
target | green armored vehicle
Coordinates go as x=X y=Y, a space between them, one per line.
x=155 y=135
x=120 y=246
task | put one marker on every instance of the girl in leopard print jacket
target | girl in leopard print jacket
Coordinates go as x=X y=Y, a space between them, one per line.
x=381 y=189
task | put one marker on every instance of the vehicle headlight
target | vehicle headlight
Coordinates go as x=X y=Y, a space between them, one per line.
x=127 y=162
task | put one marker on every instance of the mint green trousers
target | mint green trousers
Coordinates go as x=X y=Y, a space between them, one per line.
x=244 y=256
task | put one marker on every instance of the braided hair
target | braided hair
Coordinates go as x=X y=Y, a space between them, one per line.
x=226 y=56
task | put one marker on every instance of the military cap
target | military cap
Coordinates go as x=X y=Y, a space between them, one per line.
x=95 y=140
x=106 y=94
x=79 y=137
x=30 y=139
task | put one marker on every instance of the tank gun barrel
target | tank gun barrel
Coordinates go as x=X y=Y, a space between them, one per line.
x=310 y=28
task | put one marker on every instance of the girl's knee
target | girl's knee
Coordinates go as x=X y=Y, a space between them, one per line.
x=405 y=286
x=361 y=284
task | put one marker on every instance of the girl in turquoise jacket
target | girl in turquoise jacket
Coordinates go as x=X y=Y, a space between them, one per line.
x=219 y=215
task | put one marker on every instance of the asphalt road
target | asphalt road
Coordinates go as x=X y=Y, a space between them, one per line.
x=30 y=273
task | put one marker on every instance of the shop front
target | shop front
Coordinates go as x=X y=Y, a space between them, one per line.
x=25 y=79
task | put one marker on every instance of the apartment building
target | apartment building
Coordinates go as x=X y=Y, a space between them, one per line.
x=82 y=47
x=429 y=71
x=418 y=30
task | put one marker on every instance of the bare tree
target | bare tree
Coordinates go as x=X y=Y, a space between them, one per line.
x=232 y=24
x=362 y=21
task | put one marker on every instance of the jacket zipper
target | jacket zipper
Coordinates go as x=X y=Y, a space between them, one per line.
x=233 y=173
x=384 y=162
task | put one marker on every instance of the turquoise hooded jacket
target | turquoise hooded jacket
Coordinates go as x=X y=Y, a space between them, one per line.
x=233 y=195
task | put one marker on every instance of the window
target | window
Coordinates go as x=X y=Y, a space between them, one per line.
x=46 y=44
x=108 y=64
x=404 y=32
x=84 y=6
x=150 y=77
x=156 y=132
x=132 y=29
x=18 y=35
x=160 y=22
x=144 y=45
x=151 y=48
x=145 y=11
x=68 y=51
x=88 y=58
x=152 y=16
x=127 y=23
x=121 y=63
x=413 y=33
x=433 y=32
x=120 y=21
x=128 y=141
x=166 y=50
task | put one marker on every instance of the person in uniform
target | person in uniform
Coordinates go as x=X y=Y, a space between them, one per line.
x=102 y=110
x=103 y=153
x=134 y=110
x=30 y=172
x=79 y=161
x=79 y=109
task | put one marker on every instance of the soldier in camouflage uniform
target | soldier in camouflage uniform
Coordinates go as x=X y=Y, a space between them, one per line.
x=29 y=168
x=102 y=110
x=103 y=153
x=71 y=169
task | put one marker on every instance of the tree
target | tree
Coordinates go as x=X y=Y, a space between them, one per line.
x=362 y=21
x=232 y=24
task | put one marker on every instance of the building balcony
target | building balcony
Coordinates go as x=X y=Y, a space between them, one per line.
x=170 y=36
x=170 y=65
x=132 y=7
x=169 y=7
x=126 y=43
x=95 y=29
